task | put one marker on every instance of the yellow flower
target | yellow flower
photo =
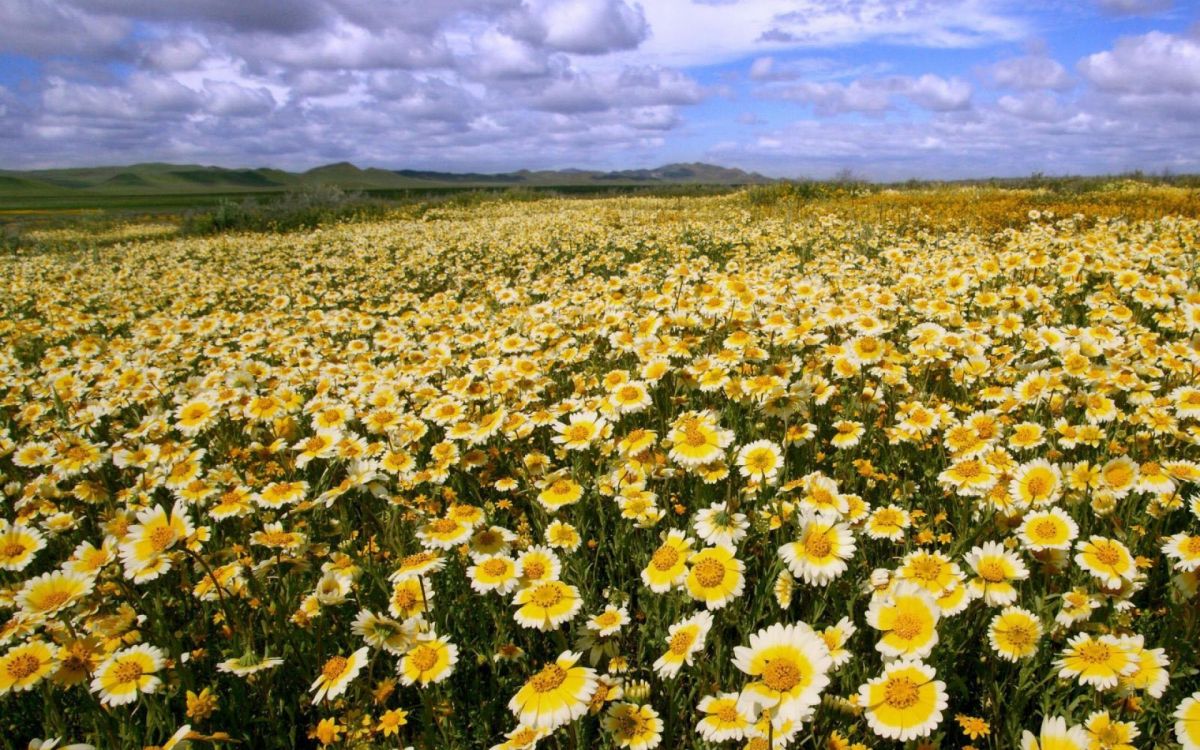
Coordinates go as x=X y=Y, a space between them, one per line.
x=905 y=702
x=391 y=721
x=723 y=720
x=201 y=705
x=715 y=577
x=327 y=731
x=430 y=660
x=1098 y=662
x=1107 y=560
x=18 y=545
x=557 y=695
x=972 y=726
x=1014 y=633
x=633 y=726
x=337 y=674
x=547 y=605
x=127 y=672
x=50 y=592
x=25 y=666
x=908 y=618
x=668 y=564
x=1187 y=722
x=684 y=639
x=791 y=663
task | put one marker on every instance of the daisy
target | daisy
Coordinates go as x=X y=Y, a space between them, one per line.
x=995 y=569
x=144 y=548
x=1151 y=674
x=630 y=397
x=668 y=565
x=50 y=592
x=337 y=674
x=195 y=416
x=905 y=702
x=1014 y=633
x=760 y=461
x=633 y=726
x=127 y=672
x=384 y=632
x=718 y=526
x=971 y=477
x=1106 y=559
x=931 y=570
x=430 y=660
x=1099 y=661
x=723 y=720
x=522 y=738
x=1187 y=722
x=25 y=666
x=556 y=695
x=791 y=663
x=494 y=540
x=1119 y=476
x=580 y=432
x=1035 y=483
x=1184 y=549
x=848 y=434
x=1056 y=735
x=908 y=618
x=248 y=664
x=696 y=438
x=559 y=490
x=609 y=621
x=715 y=577
x=547 y=605
x=18 y=545
x=419 y=564
x=494 y=573
x=888 y=522
x=836 y=637
x=1050 y=529
x=443 y=533
x=562 y=535
x=820 y=554
x=538 y=564
x=1106 y=734
x=684 y=639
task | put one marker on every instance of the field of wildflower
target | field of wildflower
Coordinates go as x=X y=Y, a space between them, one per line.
x=897 y=468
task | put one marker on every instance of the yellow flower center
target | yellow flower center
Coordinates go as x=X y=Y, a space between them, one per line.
x=1094 y=653
x=926 y=568
x=127 y=671
x=53 y=599
x=665 y=557
x=1038 y=485
x=709 y=572
x=607 y=619
x=992 y=571
x=907 y=625
x=817 y=545
x=578 y=433
x=760 y=460
x=1108 y=554
x=629 y=393
x=548 y=679
x=781 y=675
x=1045 y=529
x=424 y=658
x=161 y=538
x=560 y=487
x=681 y=642
x=728 y=713
x=22 y=666
x=444 y=526
x=546 y=596
x=334 y=668
x=968 y=469
x=534 y=569
x=1191 y=546
x=416 y=560
x=494 y=567
x=1019 y=635
x=901 y=693
x=693 y=436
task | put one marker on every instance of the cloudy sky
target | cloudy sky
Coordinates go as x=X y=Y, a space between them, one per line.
x=890 y=89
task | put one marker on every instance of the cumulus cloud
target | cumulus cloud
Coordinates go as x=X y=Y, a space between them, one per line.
x=877 y=95
x=1030 y=73
x=1151 y=63
x=586 y=27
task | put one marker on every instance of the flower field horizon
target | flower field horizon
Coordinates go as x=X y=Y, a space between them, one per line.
x=878 y=469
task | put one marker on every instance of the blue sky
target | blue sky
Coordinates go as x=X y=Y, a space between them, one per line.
x=889 y=89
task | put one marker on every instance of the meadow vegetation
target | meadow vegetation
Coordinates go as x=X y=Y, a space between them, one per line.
x=801 y=465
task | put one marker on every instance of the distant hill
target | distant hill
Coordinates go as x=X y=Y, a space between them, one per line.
x=159 y=179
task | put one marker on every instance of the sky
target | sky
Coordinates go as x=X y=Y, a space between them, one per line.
x=887 y=89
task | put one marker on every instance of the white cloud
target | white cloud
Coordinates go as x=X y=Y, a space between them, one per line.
x=1031 y=72
x=877 y=95
x=939 y=94
x=1147 y=64
x=585 y=27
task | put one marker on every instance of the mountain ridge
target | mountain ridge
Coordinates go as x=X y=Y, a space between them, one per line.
x=163 y=178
